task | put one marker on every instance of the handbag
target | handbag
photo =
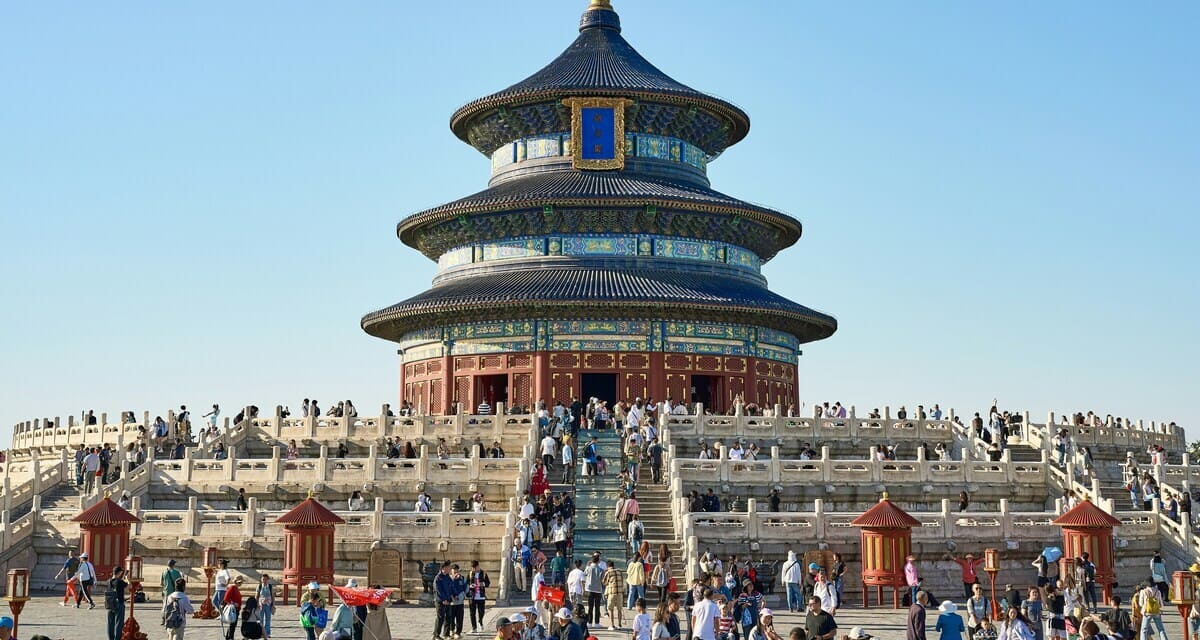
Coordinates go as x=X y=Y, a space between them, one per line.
x=229 y=614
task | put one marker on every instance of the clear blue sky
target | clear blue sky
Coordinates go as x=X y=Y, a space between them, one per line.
x=198 y=200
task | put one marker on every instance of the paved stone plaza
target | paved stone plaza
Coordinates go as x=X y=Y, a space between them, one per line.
x=44 y=615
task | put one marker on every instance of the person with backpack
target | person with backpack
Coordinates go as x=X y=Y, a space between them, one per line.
x=1118 y=620
x=477 y=585
x=114 y=603
x=313 y=616
x=251 y=623
x=593 y=584
x=86 y=575
x=266 y=603
x=637 y=531
x=1088 y=569
x=1150 y=602
x=176 y=609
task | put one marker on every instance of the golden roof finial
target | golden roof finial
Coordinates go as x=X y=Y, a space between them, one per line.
x=311 y=494
x=884 y=497
x=600 y=4
x=107 y=494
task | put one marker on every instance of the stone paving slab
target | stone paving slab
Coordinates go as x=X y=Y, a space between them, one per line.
x=44 y=615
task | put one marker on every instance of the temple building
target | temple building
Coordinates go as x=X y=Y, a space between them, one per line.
x=598 y=262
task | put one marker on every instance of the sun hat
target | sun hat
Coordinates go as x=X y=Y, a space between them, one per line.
x=517 y=618
x=563 y=613
x=502 y=622
x=765 y=613
x=948 y=607
x=857 y=633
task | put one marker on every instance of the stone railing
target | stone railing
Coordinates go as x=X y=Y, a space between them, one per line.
x=936 y=527
x=810 y=429
x=774 y=471
x=1137 y=437
x=37 y=434
x=43 y=477
x=363 y=527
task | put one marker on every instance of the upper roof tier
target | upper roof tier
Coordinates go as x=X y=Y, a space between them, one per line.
x=600 y=63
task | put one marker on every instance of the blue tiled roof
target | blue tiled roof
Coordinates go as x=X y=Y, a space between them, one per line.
x=582 y=291
x=601 y=63
x=613 y=188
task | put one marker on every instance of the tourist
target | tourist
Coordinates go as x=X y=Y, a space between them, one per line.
x=69 y=568
x=313 y=616
x=114 y=602
x=792 y=576
x=747 y=606
x=726 y=629
x=265 y=594
x=979 y=608
x=356 y=502
x=704 y=617
x=818 y=623
x=213 y=416
x=457 y=603
x=91 y=469
x=232 y=605
x=985 y=631
x=177 y=608
x=1017 y=627
x=1158 y=574
x=377 y=627
x=1118 y=620
x=251 y=619
x=614 y=581
x=6 y=627
x=86 y=575
x=221 y=583
x=575 y=581
x=533 y=628
x=915 y=628
x=912 y=579
x=635 y=577
x=636 y=531
x=765 y=629
x=949 y=623
x=1032 y=609
x=824 y=589
x=443 y=587
x=1150 y=603
x=664 y=625
x=1056 y=603
x=341 y=623
x=593 y=584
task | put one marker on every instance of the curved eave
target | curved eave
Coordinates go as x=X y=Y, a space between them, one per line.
x=588 y=292
x=567 y=189
x=738 y=120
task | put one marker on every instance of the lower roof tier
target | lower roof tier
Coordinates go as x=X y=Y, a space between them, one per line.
x=586 y=291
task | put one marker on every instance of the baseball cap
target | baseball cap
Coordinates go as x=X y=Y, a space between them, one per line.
x=503 y=622
x=6 y=622
x=83 y=555
x=766 y=612
x=531 y=610
x=563 y=613
x=517 y=618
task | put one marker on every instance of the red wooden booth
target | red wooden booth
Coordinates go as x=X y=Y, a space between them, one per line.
x=886 y=540
x=104 y=528
x=308 y=532
x=1088 y=528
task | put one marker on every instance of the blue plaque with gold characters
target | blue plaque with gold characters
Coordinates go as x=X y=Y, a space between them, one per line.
x=598 y=132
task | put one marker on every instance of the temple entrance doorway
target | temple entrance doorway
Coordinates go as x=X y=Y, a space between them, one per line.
x=492 y=389
x=707 y=390
x=602 y=386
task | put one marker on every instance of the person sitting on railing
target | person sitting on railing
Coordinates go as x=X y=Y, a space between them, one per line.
x=943 y=454
x=880 y=454
x=496 y=451
x=424 y=504
x=706 y=452
x=712 y=503
x=994 y=453
x=219 y=452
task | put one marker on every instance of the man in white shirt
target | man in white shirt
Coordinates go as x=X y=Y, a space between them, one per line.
x=86 y=575
x=91 y=466
x=568 y=460
x=575 y=584
x=736 y=452
x=704 y=617
x=548 y=451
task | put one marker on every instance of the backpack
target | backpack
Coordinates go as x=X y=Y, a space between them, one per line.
x=1089 y=571
x=1153 y=606
x=111 y=601
x=173 y=616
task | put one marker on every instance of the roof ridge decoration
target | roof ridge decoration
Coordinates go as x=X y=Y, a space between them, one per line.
x=885 y=515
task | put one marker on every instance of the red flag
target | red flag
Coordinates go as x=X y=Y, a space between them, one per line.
x=554 y=596
x=361 y=596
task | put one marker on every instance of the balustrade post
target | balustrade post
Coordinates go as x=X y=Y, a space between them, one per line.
x=310 y=425
x=502 y=591
x=37 y=474
x=948 y=520
x=187 y=464
x=444 y=520
x=776 y=466
x=70 y=428
x=5 y=529
x=887 y=412
x=1006 y=532
x=819 y=519
x=277 y=423
x=384 y=420
x=344 y=431
x=250 y=516
x=423 y=462
x=377 y=520
x=752 y=519
x=7 y=494
x=191 y=523
x=276 y=467
x=372 y=467
x=323 y=462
